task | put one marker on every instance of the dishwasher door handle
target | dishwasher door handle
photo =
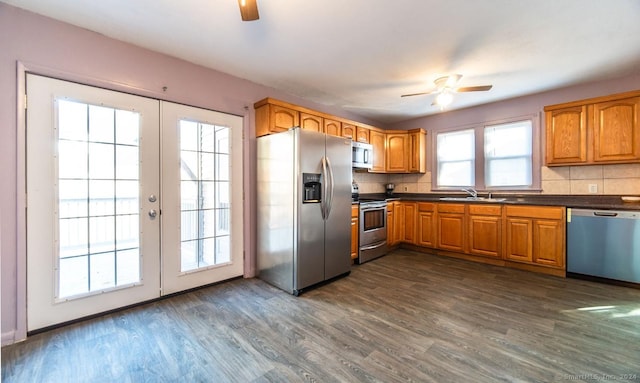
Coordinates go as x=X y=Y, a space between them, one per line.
x=605 y=214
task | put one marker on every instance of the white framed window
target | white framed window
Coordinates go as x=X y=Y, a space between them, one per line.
x=498 y=155
x=456 y=158
x=508 y=155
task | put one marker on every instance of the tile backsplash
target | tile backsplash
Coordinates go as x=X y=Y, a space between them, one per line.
x=569 y=180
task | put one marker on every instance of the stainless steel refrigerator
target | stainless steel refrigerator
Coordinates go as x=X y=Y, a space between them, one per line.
x=303 y=208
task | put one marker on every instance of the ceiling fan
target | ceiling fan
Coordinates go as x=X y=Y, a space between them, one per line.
x=446 y=86
x=249 y=10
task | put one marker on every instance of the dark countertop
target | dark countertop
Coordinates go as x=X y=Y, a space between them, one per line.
x=608 y=202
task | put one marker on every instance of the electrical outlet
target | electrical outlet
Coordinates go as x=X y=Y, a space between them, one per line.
x=593 y=188
x=406 y=188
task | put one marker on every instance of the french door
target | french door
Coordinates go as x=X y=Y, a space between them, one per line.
x=99 y=164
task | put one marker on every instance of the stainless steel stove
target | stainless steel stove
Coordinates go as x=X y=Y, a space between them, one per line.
x=373 y=229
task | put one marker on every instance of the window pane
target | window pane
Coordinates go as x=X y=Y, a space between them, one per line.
x=456 y=158
x=97 y=213
x=127 y=127
x=204 y=168
x=508 y=140
x=72 y=120
x=101 y=124
x=508 y=172
x=74 y=276
x=508 y=149
x=456 y=174
x=458 y=145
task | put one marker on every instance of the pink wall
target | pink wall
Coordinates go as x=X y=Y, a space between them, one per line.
x=57 y=49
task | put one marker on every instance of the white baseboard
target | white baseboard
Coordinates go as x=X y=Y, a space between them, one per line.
x=8 y=338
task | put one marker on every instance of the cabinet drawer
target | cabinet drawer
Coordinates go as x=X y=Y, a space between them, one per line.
x=544 y=212
x=485 y=209
x=450 y=208
x=355 y=209
x=424 y=206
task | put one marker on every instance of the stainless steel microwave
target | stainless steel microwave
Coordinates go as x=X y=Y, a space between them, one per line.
x=362 y=155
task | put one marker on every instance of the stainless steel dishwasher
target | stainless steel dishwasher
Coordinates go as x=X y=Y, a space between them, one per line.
x=604 y=243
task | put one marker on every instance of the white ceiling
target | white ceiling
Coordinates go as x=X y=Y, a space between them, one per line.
x=361 y=55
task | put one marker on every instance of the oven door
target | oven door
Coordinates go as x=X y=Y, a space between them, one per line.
x=373 y=231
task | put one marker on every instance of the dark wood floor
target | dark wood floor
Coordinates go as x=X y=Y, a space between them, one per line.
x=403 y=317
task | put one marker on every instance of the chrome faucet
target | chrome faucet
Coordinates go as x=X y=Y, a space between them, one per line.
x=472 y=192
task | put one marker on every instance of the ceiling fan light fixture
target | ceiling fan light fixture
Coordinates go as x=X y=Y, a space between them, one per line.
x=248 y=10
x=444 y=98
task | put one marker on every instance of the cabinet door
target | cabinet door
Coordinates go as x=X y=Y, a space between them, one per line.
x=566 y=136
x=354 y=235
x=484 y=235
x=391 y=235
x=349 y=131
x=332 y=127
x=283 y=118
x=311 y=122
x=519 y=239
x=548 y=243
x=426 y=234
x=416 y=154
x=485 y=230
x=396 y=156
x=616 y=130
x=451 y=226
x=378 y=141
x=410 y=209
x=362 y=134
x=398 y=221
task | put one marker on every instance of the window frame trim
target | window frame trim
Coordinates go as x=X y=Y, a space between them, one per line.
x=478 y=127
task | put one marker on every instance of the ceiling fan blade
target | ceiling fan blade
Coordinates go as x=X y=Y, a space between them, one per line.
x=479 y=88
x=248 y=10
x=415 y=94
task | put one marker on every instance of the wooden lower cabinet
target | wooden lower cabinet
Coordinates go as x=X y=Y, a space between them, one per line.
x=426 y=226
x=391 y=235
x=485 y=230
x=535 y=235
x=451 y=227
x=355 y=230
x=521 y=236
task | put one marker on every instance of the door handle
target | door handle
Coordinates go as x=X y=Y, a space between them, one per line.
x=153 y=213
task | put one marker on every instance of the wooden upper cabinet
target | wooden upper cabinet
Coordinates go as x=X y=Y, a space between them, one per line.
x=349 y=131
x=362 y=134
x=311 y=122
x=616 y=130
x=396 y=153
x=332 y=127
x=378 y=140
x=566 y=133
x=417 y=151
x=272 y=118
x=594 y=131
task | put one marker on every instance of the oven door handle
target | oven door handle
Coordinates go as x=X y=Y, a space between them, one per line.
x=374 y=246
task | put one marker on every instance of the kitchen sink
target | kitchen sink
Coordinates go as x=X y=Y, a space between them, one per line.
x=473 y=199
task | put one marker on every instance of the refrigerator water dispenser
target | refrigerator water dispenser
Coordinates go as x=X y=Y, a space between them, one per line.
x=312 y=188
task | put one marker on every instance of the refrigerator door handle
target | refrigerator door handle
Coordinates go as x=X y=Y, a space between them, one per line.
x=323 y=199
x=330 y=199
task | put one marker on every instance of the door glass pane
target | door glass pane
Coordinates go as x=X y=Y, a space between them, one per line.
x=98 y=198
x=205 y=170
